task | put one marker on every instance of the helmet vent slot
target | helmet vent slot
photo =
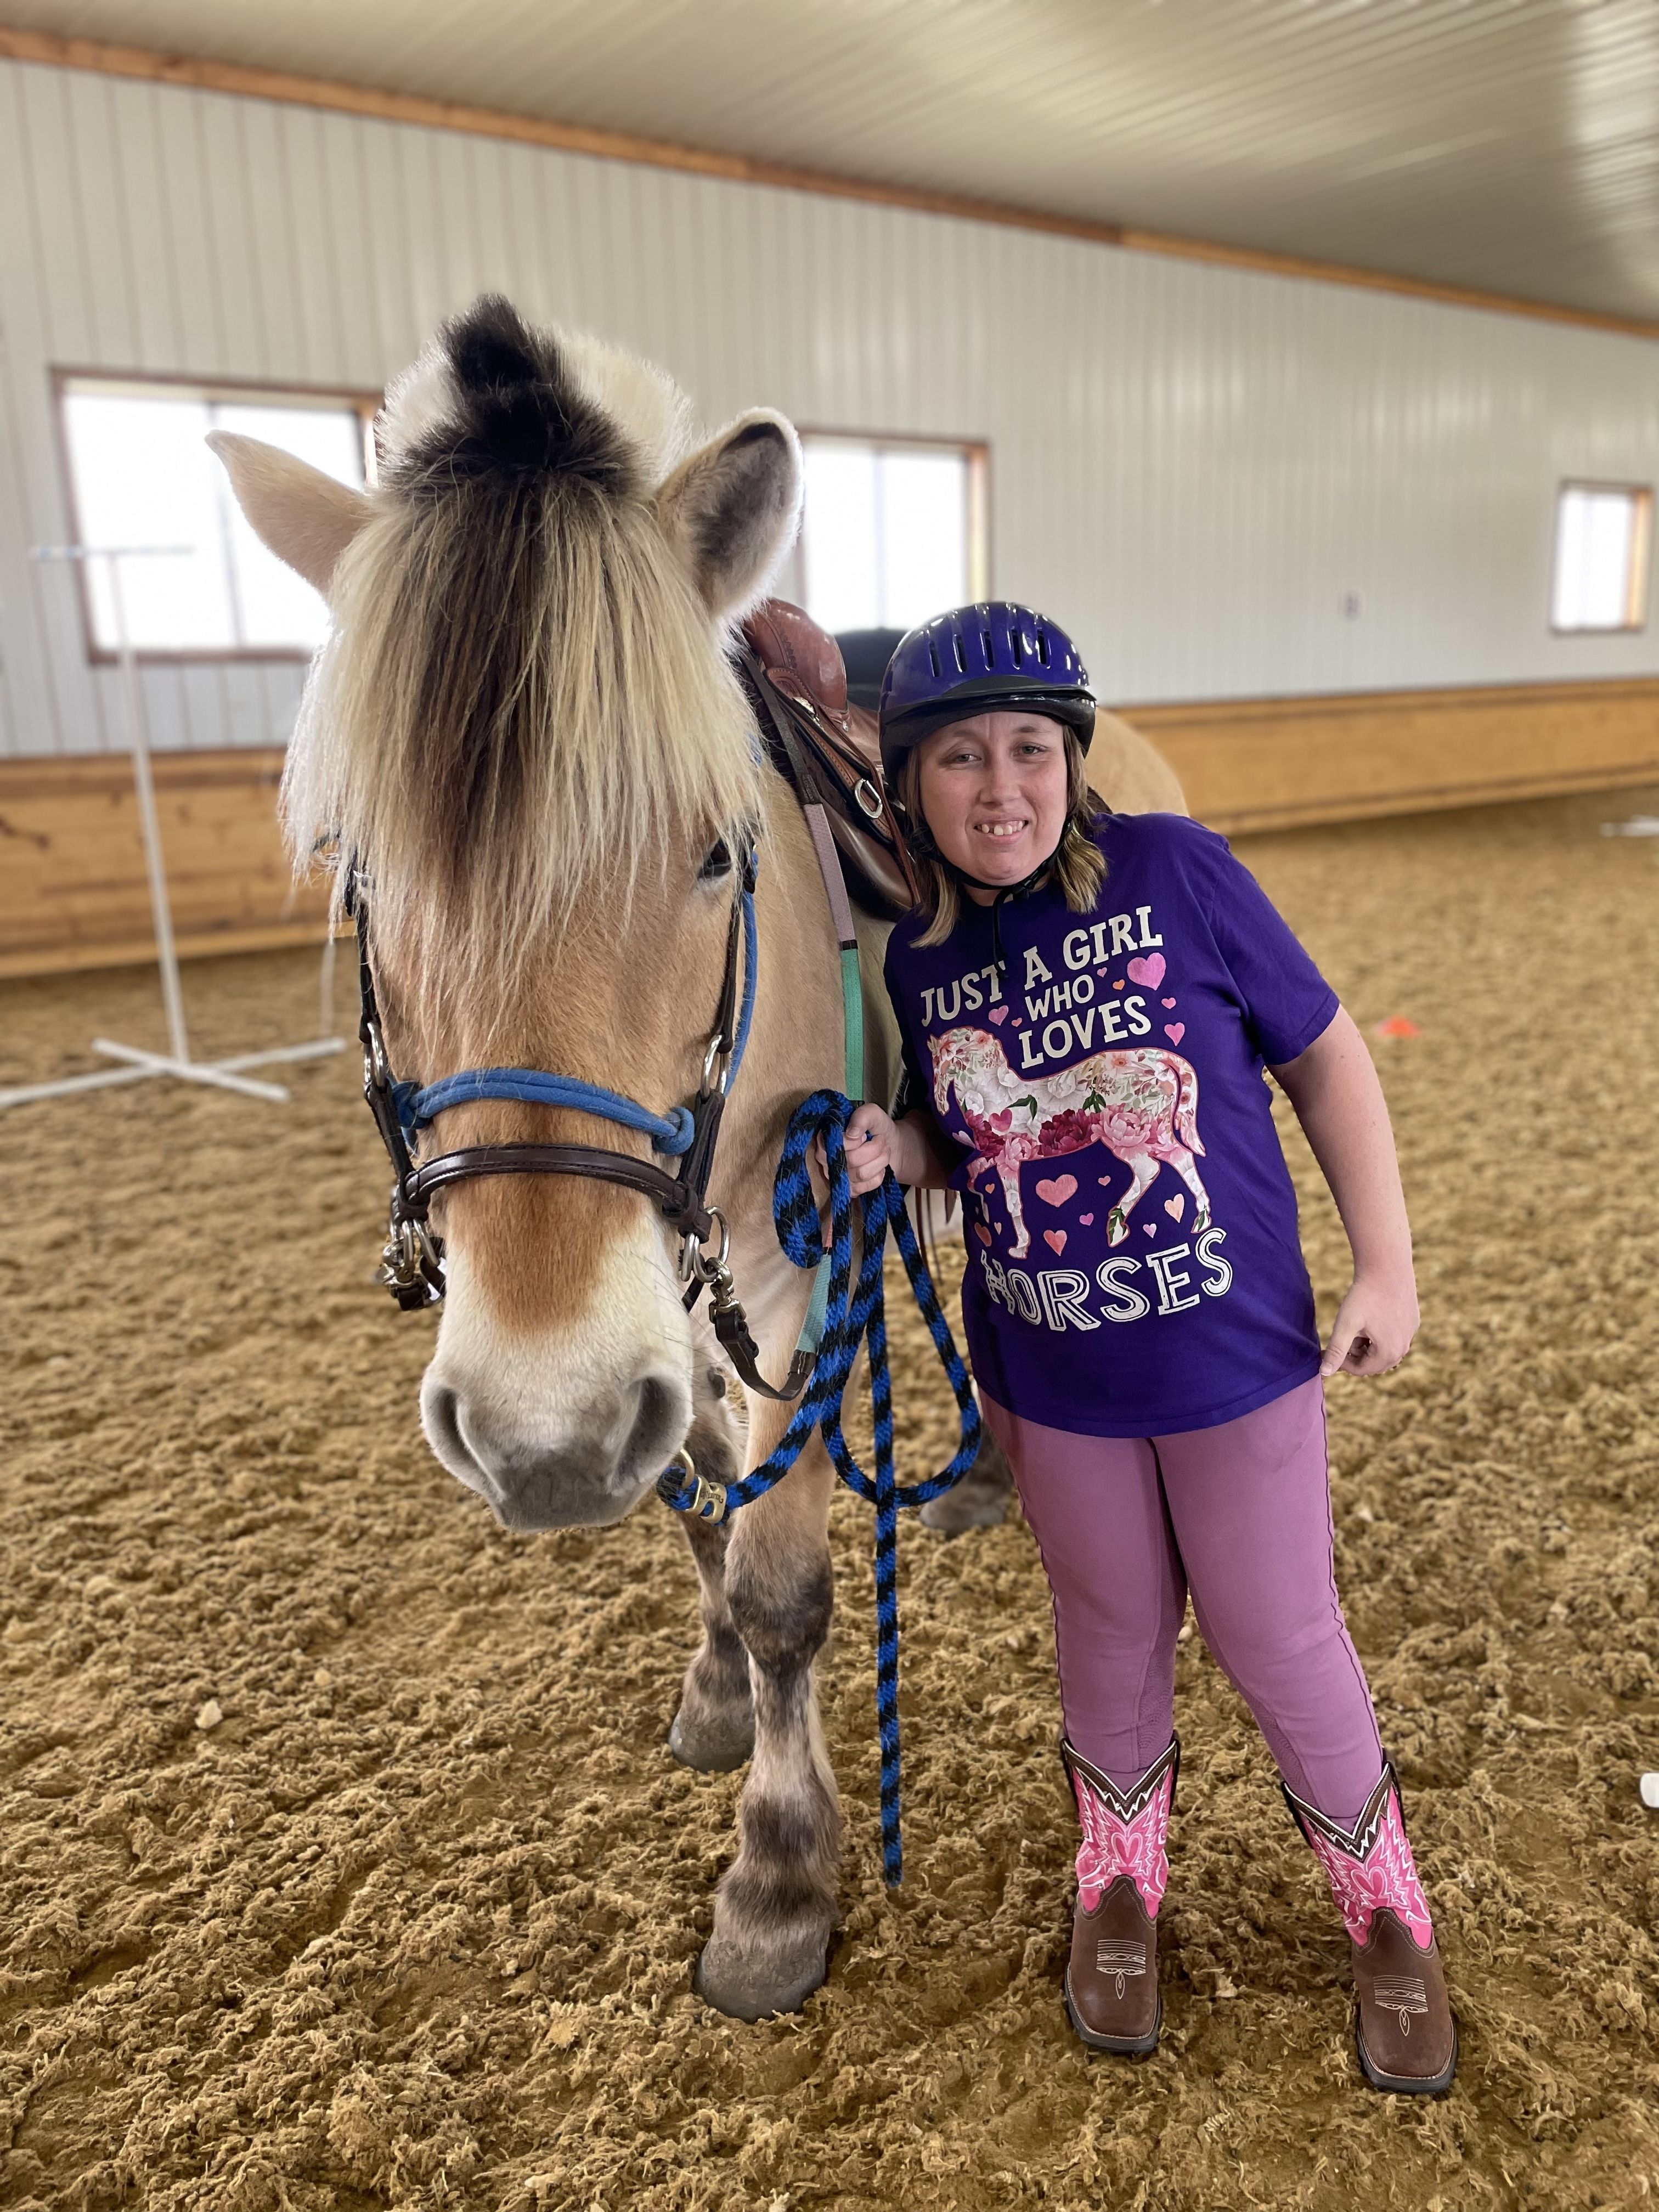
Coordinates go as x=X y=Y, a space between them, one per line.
x=988 y=649
x=932 y=655
x=961 y=657
x=1042 y=648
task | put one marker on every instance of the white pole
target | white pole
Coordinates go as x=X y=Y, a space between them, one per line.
x=138 y=1064
x=172 y=996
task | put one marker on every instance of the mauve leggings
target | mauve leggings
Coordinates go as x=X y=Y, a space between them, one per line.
x=1241 y=1515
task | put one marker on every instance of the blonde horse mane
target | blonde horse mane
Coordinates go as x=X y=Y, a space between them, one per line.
x=523 y=695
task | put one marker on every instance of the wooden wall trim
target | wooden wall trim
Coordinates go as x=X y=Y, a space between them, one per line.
x=283 y=86
x=73 y=892
x=1275 y=764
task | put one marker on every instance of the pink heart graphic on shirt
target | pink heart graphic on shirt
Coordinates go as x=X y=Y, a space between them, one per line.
x=1057 y=1191
x=1149 y=971
x=1055 y=1239
x=1105 y=1182
x=999 y=1014
x=1174 y=1032
x=1149 y=1229
x=1166 y=1002
x=1087 y=1220
x=982 y=1232
x=1175 y=1208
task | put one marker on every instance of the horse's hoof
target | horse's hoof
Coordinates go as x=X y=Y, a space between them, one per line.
x=976 y=1502
x=714 y=1745
x=754 y=1984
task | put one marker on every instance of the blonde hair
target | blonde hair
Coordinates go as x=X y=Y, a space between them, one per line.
x=1078 y=864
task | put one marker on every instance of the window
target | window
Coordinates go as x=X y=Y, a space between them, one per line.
x=141 y=474
x=892 y=530
x=1604 y=537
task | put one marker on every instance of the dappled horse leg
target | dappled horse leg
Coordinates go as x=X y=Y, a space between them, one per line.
x=1187 y=1168
x=1143 y=1173
x=713 y=1729
x=775 y=1907
x=979 y=1500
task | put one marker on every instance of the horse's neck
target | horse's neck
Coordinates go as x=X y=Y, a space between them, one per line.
x=796 y=1044
x=1001 y=1074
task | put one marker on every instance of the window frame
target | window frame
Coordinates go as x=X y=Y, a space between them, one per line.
x=976 y=452
x=357 y=399
x=1638 y=591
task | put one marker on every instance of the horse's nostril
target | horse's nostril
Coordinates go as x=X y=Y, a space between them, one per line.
x=657 y=1424
x=443 y=1423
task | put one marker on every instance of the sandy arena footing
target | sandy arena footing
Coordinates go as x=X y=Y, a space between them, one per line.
x=410 y=1923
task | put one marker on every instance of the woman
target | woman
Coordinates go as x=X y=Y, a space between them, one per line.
x=1088 y=1002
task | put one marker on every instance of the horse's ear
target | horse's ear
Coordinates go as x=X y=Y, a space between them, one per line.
x=305 y=518
x=730 y=510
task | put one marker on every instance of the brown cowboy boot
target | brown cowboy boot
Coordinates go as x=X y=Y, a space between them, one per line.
x=1111 y=1978
x=1405 y=2032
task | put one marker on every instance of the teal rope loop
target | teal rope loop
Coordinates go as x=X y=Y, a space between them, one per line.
x=855 y=1314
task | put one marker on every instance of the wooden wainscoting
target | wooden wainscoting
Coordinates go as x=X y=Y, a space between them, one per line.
x=1274 y=763
x=74 y=892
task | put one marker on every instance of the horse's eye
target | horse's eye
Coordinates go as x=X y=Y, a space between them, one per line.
x=716 y=862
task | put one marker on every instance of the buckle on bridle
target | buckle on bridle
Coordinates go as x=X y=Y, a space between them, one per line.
x=697 y=1266
x=718 y=1057
x=412 y=1263
x=377 y=1068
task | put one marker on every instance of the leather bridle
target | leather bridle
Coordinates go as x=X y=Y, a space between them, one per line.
x=412 y=1262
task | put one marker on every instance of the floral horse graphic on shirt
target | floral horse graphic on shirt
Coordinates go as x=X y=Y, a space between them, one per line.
x=1142 y=1105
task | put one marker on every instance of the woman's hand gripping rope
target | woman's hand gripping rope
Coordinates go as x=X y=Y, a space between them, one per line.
x=855 y=1314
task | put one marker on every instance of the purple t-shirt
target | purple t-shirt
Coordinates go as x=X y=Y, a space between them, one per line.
x=1133 y=1263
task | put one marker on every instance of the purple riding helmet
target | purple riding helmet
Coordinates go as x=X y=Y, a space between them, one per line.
x=974 y=660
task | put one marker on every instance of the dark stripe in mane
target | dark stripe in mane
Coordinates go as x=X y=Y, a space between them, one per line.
x=518 y=413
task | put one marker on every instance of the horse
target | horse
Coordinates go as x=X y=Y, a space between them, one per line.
x=525 y=728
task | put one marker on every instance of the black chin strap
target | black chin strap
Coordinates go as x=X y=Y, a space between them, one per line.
x=1004 y=891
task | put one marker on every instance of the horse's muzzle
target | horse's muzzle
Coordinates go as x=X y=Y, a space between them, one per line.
x=594 y=1472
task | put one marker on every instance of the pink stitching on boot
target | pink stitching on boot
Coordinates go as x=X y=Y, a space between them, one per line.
x=1111 y=1847
x=1384 y=1878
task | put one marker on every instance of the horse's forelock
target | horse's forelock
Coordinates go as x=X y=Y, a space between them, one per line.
x=523 y=696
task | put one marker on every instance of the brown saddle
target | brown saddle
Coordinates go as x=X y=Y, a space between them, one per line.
x=826 y=748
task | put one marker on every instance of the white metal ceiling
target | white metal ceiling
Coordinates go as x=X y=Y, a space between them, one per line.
x=1507 y=145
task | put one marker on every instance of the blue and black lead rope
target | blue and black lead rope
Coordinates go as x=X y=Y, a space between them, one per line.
x=855 y=1313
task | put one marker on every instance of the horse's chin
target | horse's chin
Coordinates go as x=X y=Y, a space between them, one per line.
x=527 y=1491
x=529 y=1512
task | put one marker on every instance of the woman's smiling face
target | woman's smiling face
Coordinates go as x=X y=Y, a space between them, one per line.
x=994 y=792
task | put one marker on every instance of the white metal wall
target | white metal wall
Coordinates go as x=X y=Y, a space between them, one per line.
x=1191 y=466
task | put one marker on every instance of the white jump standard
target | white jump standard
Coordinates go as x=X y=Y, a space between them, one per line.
x=139 y=1065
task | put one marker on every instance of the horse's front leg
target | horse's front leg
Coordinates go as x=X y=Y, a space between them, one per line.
x=1008 y=1175
x=775 y=1907
x=713 y=1729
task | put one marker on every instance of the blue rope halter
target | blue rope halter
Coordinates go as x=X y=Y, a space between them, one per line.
x=853 y=1317
x=673 y=1132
